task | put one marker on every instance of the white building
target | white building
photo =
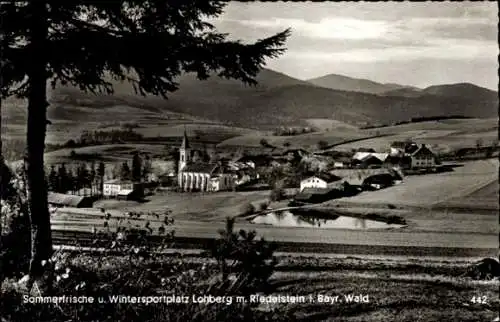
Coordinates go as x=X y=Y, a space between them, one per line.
x=322 y=181
x=221 y=182
x=113 y=187
x=201 y=176
x=362 y=156
x=423 y=158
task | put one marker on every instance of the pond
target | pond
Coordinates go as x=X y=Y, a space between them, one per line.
x=288 y=219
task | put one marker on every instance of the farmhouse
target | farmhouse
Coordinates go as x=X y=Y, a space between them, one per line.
x=378 y=181
x=116 y=187
x=65 y=200
x=322 y=181
x=400 y=148
x=201 y=176
x=423 y=158
x=364 y=177
x=367 y=159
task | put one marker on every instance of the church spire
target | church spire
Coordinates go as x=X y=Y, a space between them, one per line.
x=185 y=142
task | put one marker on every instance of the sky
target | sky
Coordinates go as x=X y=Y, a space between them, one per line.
x=409 y=43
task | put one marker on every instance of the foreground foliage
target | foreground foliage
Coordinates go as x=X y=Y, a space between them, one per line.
x=243 y=267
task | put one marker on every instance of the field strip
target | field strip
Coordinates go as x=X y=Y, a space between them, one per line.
x=321 y=240
x=392 y=259
x=466 y=192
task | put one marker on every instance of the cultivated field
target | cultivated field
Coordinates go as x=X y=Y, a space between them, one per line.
x=106 y=152
x=433 y=189
x=466 y=125
x=308 y=140
x=329 y=125
x=440 y=141
x=191 y=206
x=214 y=132
x=441 y=136
x=486 y=197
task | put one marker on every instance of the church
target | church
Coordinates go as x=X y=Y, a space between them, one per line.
x=195 y=175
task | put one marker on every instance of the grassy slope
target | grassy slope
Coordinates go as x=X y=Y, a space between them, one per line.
x=433 y=189
x=441 y=136
x=308 y=140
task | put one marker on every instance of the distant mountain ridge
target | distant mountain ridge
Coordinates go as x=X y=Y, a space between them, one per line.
x=351 y=84
x=278 y=99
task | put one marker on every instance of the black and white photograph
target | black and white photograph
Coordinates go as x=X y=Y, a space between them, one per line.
x=204 y=160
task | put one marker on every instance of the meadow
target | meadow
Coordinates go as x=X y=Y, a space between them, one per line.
x=308 y=141
x=207 y=206
x=434 y=189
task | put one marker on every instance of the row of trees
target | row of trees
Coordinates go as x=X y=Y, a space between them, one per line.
x=64 y=178
x=61 y=179
x=291 y=131
x=104 y=137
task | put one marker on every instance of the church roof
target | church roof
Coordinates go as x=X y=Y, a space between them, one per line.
x=200 y=167
x=185 y=142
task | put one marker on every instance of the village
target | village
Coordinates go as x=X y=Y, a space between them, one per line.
x=297 y=175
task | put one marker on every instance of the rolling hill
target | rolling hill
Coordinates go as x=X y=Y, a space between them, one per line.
x=277 y=100
x=344 y=83
x=461 y=90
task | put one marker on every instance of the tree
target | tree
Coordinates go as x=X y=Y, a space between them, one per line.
x=71 y=181
x=63 y=179
x=125 y=173
x=136 y=167
x=92 y=176
x=147 y=168
x=87 y=44
x=83 y=176
x=100 y=172
x=53 y=179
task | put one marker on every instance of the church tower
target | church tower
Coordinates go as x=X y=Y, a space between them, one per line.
x=185 y=152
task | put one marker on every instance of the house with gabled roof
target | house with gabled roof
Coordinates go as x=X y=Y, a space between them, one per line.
x=367 y=159
x=320 y=181
x=423 y=158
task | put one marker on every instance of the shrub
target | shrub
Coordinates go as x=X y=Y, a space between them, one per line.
x=263 y=205
x=322 y=145
x=277 y=194
x=249 y=262
x=247 y=209
x=14 y=224
x=243 y=267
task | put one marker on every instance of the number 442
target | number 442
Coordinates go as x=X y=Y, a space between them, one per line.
x=479 y=299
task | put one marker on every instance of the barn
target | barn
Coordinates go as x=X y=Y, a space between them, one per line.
x=65 y=200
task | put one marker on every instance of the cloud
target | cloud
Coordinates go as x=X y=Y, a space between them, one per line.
x=327 y=36
x=327 y=28
x=441 y=50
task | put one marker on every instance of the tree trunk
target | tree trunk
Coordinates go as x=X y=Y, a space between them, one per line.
x=1 y=172
x=41 y=239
